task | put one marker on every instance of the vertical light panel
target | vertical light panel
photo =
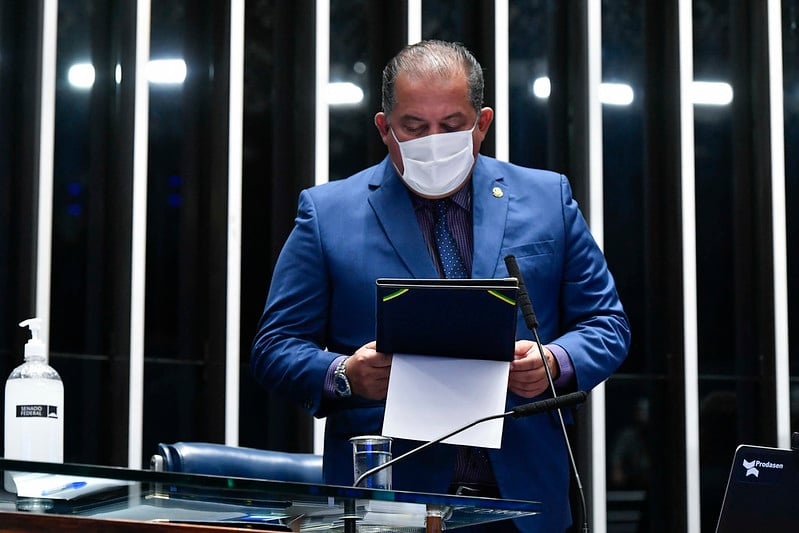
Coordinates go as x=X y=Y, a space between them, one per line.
x=141 y=104
x=322 y=172
x=596 y=222
x=502 y=104
x=233 y=299
x=44 y=223
x=778 y=221
x=688 y=210
x=414 y=21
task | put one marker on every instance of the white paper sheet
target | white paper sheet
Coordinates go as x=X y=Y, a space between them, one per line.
x=398 y=514
x=62 y=487
x=430 y=396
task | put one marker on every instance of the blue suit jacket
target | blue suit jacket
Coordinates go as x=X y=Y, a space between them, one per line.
x=322 y=304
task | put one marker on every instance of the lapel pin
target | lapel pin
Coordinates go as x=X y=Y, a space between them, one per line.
x=497 y=192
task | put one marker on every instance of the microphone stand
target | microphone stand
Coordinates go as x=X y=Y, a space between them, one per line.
x=532 y=324
x=578 y=483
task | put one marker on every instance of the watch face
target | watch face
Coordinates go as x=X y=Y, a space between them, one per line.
x=341 y=385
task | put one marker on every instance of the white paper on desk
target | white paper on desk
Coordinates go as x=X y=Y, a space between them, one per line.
x=430 y=396
x=398 y=514
x=63 y=487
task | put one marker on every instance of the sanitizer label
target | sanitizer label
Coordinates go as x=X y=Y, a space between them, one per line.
x=37 y=411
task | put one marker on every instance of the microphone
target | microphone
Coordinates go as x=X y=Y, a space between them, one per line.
x=523 y=297
x=550 y=404
x=521 y=411
x=526 y=306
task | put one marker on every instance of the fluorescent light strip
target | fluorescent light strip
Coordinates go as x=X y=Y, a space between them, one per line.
x=595 y=89
x=138 y=236
x=619 y=94
x=81 y=75
x=343 y=93
x=322 y=138
x=322 y=163
x=166 y=71
x=414 y=21
x=688 y=208
x=542 y=87
x=502 y=103
x=159 y=72
x=235 y=154
x=711 y=93
x=597 y=405
x=778 y=222
x=44 y=222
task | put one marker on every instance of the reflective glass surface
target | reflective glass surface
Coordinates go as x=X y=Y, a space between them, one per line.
x=529 y=84
x=790 y=48
x=146 y=495
x=714 y=187
x=727 y=233
x=635 y=396
x=637 y=483
x=353 y=99
x=452 y=20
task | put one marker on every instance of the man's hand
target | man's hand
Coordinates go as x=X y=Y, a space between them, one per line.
x=527 y=374
x=368 y=371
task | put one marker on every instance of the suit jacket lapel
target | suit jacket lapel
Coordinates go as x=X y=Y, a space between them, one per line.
x=394 y=211
x=489 y=215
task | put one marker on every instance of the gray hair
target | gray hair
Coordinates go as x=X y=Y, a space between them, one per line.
x=428 y=59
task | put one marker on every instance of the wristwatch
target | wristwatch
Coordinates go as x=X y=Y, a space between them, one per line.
x=341 y=385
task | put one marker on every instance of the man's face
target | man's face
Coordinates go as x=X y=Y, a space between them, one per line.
x=426 y=107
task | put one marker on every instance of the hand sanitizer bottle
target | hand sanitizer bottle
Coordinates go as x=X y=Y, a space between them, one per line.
x=34 y=408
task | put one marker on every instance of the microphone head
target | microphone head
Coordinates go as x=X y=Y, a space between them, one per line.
x=512 y=266
x=549 y=404
x=525 y=304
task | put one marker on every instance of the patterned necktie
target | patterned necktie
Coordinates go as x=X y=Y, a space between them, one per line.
x=448 y=253
x=471 y=462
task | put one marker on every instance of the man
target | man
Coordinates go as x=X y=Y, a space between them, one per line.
x=315 y=340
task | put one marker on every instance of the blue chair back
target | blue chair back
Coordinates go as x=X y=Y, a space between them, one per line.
x=232 y=461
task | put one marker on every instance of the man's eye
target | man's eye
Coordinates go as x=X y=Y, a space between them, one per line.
x=452 y=127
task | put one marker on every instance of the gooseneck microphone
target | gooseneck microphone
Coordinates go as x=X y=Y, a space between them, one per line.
x=550 y=404
x=530 y=320
x=521 y=411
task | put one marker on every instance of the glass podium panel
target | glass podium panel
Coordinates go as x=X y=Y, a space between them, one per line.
x=115 y=493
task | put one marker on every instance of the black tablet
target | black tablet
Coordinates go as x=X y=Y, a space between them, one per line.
x=464 y=318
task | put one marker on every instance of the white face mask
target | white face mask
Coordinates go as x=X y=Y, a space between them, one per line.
x=437 y=165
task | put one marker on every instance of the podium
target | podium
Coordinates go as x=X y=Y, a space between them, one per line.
x=103 y=498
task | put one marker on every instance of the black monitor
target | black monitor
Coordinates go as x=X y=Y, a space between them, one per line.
x=762 y=492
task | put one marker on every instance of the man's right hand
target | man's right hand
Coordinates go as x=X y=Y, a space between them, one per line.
x=367 y=371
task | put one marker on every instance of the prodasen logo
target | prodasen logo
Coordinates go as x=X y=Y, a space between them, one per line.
x=752 y=467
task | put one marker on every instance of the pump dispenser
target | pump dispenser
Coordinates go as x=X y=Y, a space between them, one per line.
x=34 y=348
x=34 y=408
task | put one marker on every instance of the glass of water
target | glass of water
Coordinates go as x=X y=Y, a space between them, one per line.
x=370 y=451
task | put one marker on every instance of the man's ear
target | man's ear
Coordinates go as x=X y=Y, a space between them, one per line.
x=486 y=117
x=381 y=123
